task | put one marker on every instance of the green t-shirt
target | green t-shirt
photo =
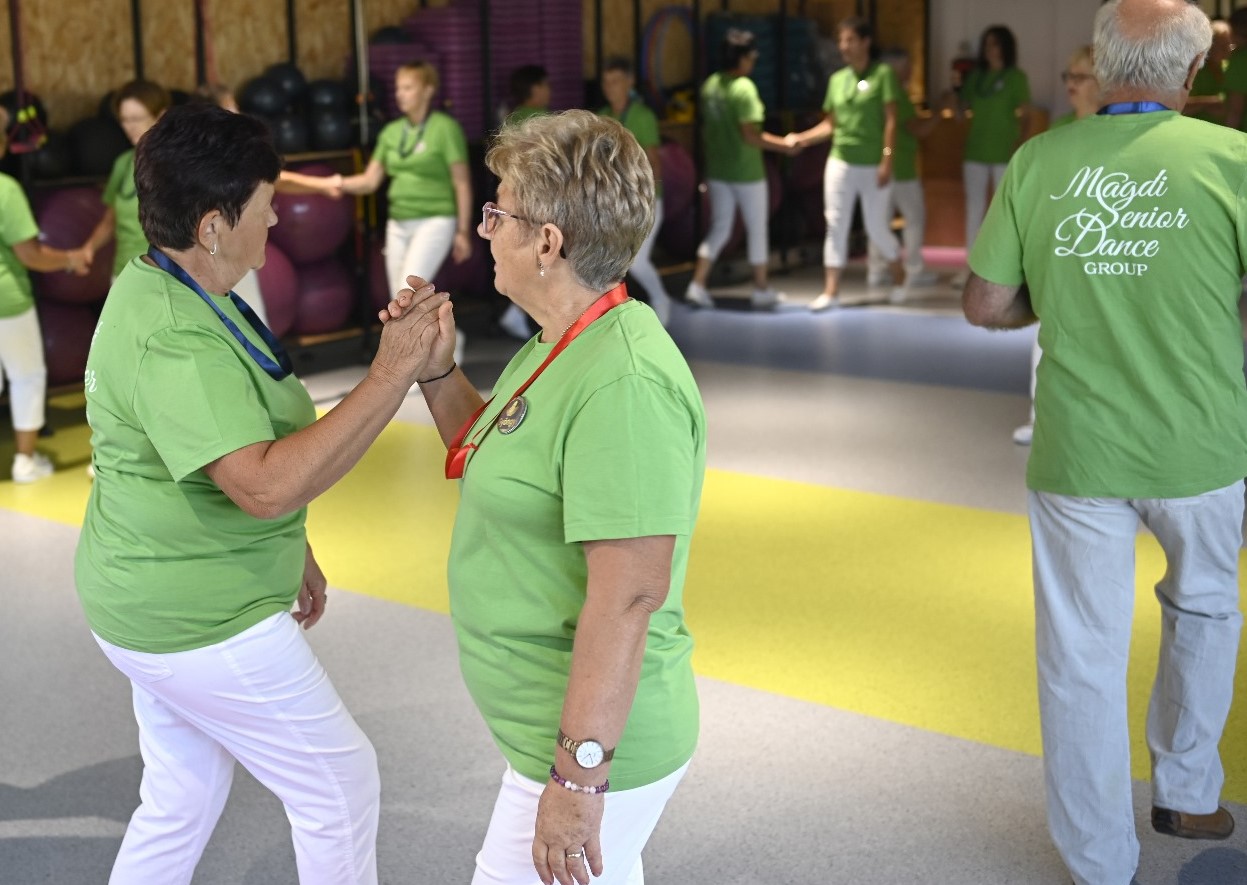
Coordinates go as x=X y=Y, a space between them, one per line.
x=856 y=102
x=638 y=119
x=994 y=97
x=1235 y=80
x=17 y=225
x=613 y=446
x=727 y=102
x=905 y=153
x=120 y=194
x=418 y=161
x=522 y=113
x=1134 y=264
x=166 y=562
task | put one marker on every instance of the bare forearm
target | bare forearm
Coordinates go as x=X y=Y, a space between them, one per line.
x=45 y=259
x=820 y=131
x=451 y=402
x=104 y=231
x=294 y=470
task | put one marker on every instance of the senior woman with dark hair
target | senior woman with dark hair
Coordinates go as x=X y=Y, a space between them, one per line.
x=580 y=484
x=193 y=550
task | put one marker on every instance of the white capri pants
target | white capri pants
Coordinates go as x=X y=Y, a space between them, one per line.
x=725 y=197
x=842 y=186
x=643 y=270
x=976 y=177
x=1084 y=550
x=628 y=819
x=21 y=362
x=416 y=247
x=908 y=200
x=263 y=699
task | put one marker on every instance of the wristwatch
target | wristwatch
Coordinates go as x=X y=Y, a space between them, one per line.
x=587 y=753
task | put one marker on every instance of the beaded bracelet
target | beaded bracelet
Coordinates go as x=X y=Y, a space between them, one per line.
x=453 y=366
x=577 y=788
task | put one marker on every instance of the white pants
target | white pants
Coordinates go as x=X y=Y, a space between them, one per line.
x=628 y=819
x=643 y=270
x=262 y=698
x=1036 y=356
x=248 y=289
x=1084 y=552
x=976 y=177
x=725 y=198
x=21 y=361
x=416 y=247
x=842 y=186
x=908 y=200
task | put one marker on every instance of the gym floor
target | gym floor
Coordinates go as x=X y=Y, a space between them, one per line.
x=859 y=591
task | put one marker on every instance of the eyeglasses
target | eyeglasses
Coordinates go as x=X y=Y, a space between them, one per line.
x=491 y=215
x=1076 y=79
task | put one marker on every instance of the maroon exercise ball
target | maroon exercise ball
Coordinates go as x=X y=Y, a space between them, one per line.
x=279 y=287
x=311 y=227
x=66 y=217
x=326 y=297
x=679 y=179
x=67 y=331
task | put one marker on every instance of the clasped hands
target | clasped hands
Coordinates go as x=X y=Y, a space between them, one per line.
x=418 y=337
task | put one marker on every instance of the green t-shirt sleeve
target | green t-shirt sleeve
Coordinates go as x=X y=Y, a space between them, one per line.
x=829 y=100
x=997 y=252
x=1019 y=87
x=17 y=222
x=195 y=400
x=644 y=126
x=1235 y=79
x=1242 y=227
x=746 y=102
x=455 y=146
x=629 y=464
x=890 y=87
x=116 y=179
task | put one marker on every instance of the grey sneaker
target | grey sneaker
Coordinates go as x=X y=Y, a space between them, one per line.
x=766 y=299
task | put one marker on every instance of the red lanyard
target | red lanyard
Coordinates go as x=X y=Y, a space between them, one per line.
x=457 y=454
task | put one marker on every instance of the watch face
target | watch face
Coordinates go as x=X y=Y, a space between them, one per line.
x=589 y=754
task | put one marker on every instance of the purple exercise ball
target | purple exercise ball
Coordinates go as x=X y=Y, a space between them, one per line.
x=326 y=297
x=279 y=287
x=66 y=217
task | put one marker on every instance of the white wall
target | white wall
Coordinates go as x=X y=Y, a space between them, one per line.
x=1048 y=31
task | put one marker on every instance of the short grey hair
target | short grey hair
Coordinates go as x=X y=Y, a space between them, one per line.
x=1156 y=58
x=586 y=175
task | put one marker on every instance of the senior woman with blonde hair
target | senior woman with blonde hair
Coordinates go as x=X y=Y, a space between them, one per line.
x=193 y=549
x=580 y=481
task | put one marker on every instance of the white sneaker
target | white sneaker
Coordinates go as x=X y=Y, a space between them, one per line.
x=1022 y=436
x=960 y=278
x=31 y=468
x=515 y=323
x=697 y=296
x=766 y=299
x=899 y=294
x=90 y=471
x=824 y=302
x=922 y=279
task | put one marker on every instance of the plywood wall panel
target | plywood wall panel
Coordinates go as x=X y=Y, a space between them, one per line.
x=323 y=37
x=6 y=70
x=169 y=44
x=73 y=59
x=247 y=36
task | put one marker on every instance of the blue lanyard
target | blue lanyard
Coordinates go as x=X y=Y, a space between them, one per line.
x=276 y=370
x=1131 y=107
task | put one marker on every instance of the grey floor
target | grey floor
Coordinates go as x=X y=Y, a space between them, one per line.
x=906 y=401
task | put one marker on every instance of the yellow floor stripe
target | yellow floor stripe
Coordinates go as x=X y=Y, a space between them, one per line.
x=912 y=612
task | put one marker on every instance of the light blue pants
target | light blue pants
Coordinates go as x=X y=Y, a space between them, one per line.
x=1084 y=552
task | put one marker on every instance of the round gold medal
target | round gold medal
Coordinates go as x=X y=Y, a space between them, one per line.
x=513 y=415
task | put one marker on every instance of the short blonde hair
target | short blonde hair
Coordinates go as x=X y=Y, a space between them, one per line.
x=586 y=175
x=426 y=71
x=1083 y=55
